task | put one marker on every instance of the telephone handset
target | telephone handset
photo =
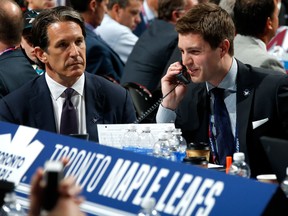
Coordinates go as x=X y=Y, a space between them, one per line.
x=183 y=78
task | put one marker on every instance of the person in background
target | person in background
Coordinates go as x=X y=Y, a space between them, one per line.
x=26 y=41
x=253 y=99
x=15 y=69
x=121 y=19
x=66 y=99
x=282 y=15
x=256 y=24
x=149 y=12
x=150 y=54
x=101 y=59
x=228 y=5
x=40 y=4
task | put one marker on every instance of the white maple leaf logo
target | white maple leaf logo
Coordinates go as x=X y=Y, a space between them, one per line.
x=18 y=153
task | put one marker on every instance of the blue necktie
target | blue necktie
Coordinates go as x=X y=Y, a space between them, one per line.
x=224 y=137
x=68 y=123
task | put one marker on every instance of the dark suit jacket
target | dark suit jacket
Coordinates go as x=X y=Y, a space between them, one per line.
x=101 y=59
x=267 y=98
x=15 y=70
x=146 y=63
x=31 y=105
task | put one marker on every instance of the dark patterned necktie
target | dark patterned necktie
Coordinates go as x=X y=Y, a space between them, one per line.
x=68 y=123
x=224 y=137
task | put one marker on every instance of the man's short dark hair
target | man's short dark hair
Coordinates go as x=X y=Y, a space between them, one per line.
x=50 y=16
x=212 y=22
x=166 y=7
x=250 y=16
x=81 y=5
x=121 y=3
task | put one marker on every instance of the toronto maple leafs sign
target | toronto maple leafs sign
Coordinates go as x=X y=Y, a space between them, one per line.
x=115 y=182
x=15 y=154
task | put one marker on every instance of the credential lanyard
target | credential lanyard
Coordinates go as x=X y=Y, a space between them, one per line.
x=212 y=140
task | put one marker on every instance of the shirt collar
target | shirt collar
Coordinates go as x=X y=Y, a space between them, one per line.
x=57 y=89
x=89 y=26
x=148 y=12
x=260 y=43
x=229 y=81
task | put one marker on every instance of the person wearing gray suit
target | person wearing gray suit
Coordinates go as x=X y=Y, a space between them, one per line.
x=256 y=24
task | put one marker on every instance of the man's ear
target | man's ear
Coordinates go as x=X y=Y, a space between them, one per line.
x=269 y=23
x=115 y=11
x=93 y=5
x=175 y=16
x=41 y=54
x=224 y=46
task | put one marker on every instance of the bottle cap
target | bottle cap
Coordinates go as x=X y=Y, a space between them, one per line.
x=163 y=136
x=148 y=203
x=238 y=156
x=132 y=127
x=198 y=146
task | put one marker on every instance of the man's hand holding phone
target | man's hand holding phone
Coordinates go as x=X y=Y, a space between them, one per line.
x=169 y=81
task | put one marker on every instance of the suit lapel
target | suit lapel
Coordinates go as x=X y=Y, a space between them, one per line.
x=245 y=95
x=41 y=106
x=94 y=101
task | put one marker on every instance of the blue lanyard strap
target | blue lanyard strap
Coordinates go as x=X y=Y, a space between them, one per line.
x=212 y=140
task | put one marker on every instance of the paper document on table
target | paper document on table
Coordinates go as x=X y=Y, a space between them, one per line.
x=111 y=134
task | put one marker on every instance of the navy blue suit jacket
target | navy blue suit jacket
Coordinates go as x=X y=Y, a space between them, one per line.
x=101 y=59
x=146 y=63
x=15 y=71
x=31 y=105
x=261 y=95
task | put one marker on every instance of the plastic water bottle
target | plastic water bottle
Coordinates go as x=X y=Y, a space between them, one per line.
x=239 y=166
x=146 y=139
x=11 y=207
x=178 y=144
x=162 y=147
x=284 y=184
x=131 y=138
x=148 y=208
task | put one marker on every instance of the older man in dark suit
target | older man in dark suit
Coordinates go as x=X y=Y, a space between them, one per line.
x=65 y=99
x=254 y=100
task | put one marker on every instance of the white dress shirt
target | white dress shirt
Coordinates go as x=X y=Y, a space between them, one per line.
x=119 y=37
x=147 y=13
x=78 y=100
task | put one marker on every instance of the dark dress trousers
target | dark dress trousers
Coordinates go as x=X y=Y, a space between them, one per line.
x=148 y=59
x=101 y=59
x=31 y=105
x=260 y=96
x=15 y=70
